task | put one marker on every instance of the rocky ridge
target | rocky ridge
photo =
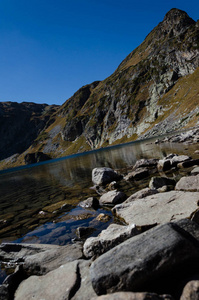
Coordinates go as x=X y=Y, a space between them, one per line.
x=153 y=91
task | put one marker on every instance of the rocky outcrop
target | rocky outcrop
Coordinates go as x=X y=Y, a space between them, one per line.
x=143 y=262
x=127 y=103
x=159 y=208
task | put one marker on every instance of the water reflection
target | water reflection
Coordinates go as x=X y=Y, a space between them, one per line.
x=33 y=197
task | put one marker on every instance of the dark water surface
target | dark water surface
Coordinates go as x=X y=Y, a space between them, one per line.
x=38 y=204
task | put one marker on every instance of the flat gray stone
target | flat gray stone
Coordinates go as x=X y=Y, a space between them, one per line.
x=108 y=238
x=112 y=198
x=144 y=262
x=159 y=208
x=133 y=296
x=188 y=183
x=57 y=284
x=141 y=194
x=39 y=259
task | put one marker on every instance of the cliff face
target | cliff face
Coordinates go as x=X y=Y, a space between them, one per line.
x=20 y=125
x=153 y=91
x=126 y=105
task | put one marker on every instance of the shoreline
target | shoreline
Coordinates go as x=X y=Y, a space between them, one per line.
x=164 y=217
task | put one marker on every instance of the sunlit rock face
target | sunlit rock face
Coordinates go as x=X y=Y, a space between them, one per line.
x=152 y=92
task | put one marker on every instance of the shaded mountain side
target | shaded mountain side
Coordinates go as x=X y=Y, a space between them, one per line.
x=153 y=91
x=20 y=125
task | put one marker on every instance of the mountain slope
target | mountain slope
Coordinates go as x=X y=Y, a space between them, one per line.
x=20 y=125
x=153 y=91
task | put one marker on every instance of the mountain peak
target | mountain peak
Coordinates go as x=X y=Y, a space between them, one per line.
x=177 y=19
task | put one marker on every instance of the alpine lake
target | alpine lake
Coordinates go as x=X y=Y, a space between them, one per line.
x=39 y=203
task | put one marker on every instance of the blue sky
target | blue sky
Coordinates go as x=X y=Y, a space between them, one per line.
x=50 y=48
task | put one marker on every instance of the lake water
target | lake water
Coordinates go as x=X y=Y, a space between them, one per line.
x=39 y=204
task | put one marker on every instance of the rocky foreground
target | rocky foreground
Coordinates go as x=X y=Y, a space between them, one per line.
x=154 y=255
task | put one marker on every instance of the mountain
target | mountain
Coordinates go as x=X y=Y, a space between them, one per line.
x=20 y=124
x=153 y=91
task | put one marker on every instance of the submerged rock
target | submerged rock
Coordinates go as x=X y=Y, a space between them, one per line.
x=84 y=231
x=90 y=202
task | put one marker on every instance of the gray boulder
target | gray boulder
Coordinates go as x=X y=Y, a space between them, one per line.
x=57 y=284
x=158 y=208
x=108 y=238
x=145 y=163
x=143 y=262
x=158 y=182
x=104 y=176
x=138 y=174
x=191 y=291
x=195 y=171
x=112 y=198
x=133 y=296
x=171 y=161
x=179 y=159
x=188 y=183
x=164 y=165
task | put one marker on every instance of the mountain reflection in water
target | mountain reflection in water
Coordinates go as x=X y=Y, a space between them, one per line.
x=38 y=204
